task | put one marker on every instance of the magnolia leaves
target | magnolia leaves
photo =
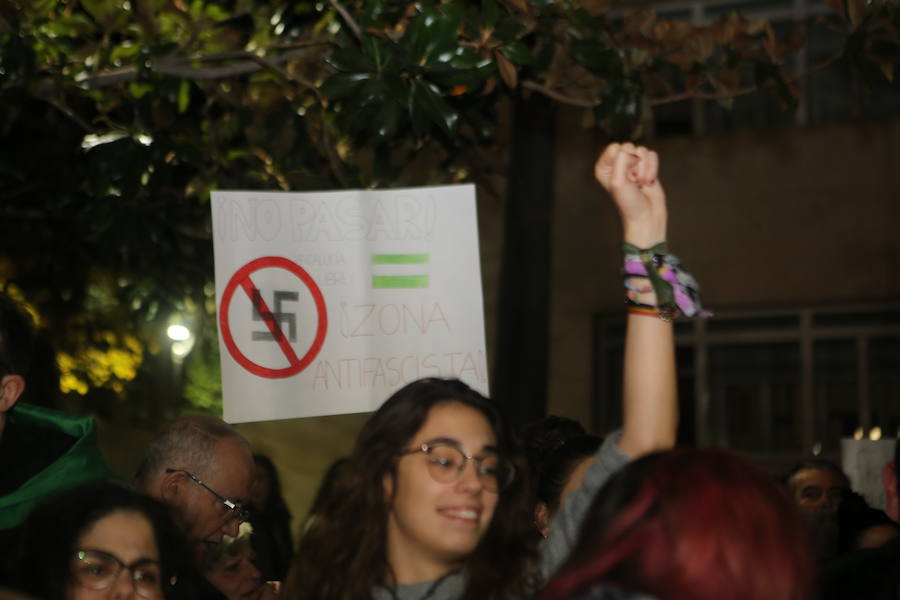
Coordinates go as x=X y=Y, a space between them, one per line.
x=415 y=75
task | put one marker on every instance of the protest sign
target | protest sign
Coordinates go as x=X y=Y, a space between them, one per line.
x=863 y=461
x=330 y=301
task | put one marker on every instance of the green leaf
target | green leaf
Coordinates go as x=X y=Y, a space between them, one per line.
x=518 y=53
x=350 y=60
x=435 y=107
x=467 y=58
x=449 y=78
x=373 y=13
x=482 y=123
x=70 y=26
x=397 y=88
x=103 y=11
x=443 y=35
x=373 y=92
x=582 y=19
x=508 y=30
x=490 y=14
x=415 y=38
x=378 y=50
x=184 y=96
x=621 y=108
x=138 y=90
x=597 y=57
x=416 y=113
x=387 y=121
x=342 y=85
x=124 y=52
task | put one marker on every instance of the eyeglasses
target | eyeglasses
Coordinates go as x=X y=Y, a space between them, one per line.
x=446 y=464
x=237 y=511
x=98 y=570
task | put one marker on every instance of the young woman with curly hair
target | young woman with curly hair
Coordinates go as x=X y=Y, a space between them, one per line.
x=435 y=502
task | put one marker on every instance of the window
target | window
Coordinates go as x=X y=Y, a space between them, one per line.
x=775 y=383
x=828 y=95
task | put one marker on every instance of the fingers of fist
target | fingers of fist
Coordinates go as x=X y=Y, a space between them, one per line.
x=626 y=164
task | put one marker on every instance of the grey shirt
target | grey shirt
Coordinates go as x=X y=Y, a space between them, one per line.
x=564 y=532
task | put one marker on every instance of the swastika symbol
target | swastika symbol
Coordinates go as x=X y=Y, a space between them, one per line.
x=277 y=316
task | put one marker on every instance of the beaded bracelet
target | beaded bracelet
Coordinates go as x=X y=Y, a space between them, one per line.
x=676 y=290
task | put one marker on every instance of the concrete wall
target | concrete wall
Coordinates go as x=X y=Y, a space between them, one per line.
x=776 y=218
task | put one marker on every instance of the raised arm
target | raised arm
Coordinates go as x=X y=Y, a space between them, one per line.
x=650 y=404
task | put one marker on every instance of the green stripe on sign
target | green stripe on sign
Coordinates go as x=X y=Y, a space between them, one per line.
x=399 y=281
x=399 y=259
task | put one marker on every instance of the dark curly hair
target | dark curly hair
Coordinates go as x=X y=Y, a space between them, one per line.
x=344 y=555
x=50 y=535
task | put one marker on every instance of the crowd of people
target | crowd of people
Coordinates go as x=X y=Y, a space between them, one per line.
x=440 y=499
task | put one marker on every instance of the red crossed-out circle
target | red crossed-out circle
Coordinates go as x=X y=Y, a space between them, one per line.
x=242 y=278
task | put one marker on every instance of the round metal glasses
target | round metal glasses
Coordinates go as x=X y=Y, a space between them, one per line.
x=447 y=462
x=98 y=570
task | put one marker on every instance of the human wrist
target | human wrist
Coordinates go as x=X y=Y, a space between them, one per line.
x=645 y=228
x=645 y=237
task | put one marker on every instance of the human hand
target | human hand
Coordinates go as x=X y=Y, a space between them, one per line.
x=269 y=590
x=630 y=174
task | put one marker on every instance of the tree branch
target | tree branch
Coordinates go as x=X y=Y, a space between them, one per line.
x=181 y=67
x=701 y=95
x=542 y=89
x=334 y=161
x=685 y=95
x=348 y=19
x=58 y=105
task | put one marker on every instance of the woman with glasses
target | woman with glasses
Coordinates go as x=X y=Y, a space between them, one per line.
x=100 y=541
x=435 y=505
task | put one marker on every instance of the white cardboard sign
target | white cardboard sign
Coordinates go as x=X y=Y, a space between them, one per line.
x=863 y=461
x=328 y=302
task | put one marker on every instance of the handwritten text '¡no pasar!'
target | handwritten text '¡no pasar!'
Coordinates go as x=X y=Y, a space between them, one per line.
x=368 y=320
x=264 y=219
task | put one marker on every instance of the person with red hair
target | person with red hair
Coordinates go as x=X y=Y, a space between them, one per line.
x=688 y=524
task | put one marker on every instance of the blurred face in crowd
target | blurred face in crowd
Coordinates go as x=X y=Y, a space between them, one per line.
x=432 y=525
x=543 y=516
x=116 y=558
x=237 y=577
x=817 y=493
x=261 y=486
x=203 y=516
x=818 y=490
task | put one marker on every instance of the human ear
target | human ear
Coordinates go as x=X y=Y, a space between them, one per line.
x=891 y=491
x=11 y=387
x=387 y=484
x=542 y=518
x=170 y=488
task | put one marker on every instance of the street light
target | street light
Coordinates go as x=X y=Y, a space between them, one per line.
x=178 y=332
x=182 y=340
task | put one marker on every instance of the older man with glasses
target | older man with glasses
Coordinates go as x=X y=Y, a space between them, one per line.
x=201 y=468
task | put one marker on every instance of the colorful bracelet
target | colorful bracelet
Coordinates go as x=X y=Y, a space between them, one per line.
x=643 y=309
x=677 y=292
